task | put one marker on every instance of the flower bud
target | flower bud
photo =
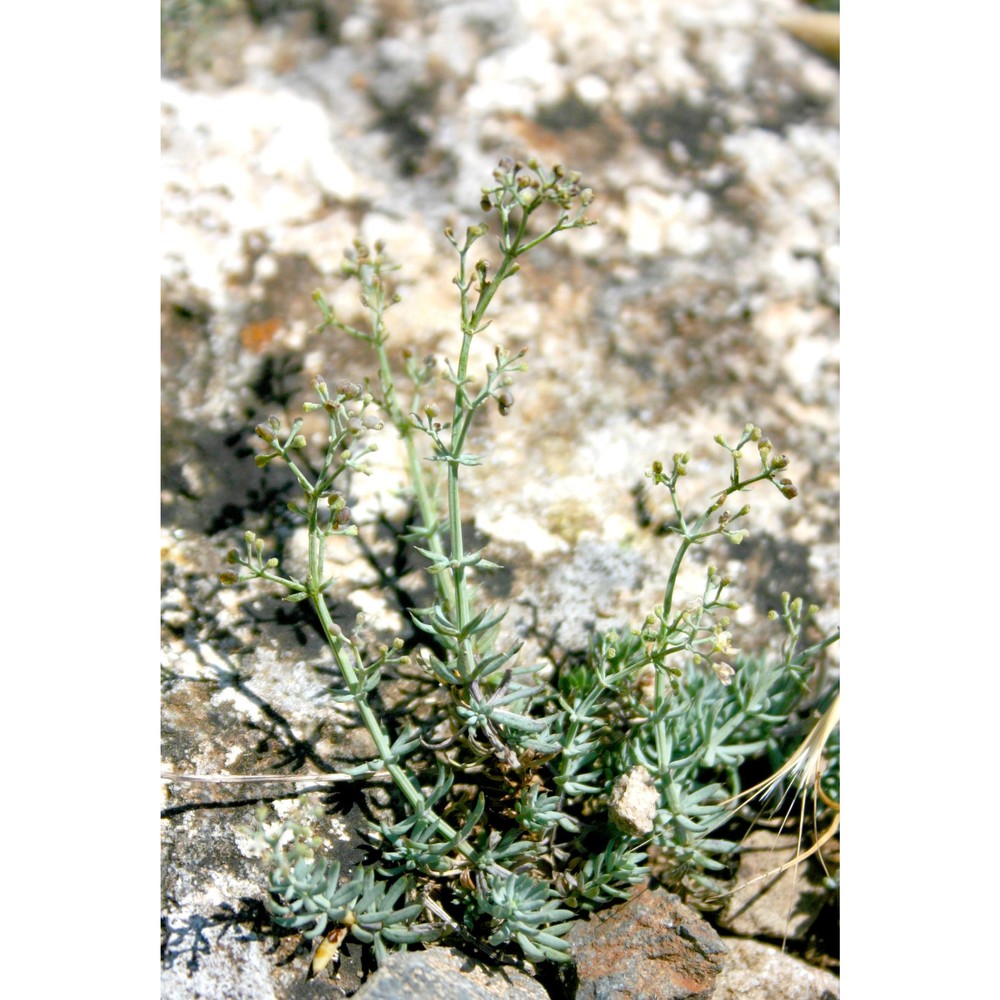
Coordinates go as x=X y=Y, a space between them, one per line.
x=505 y=400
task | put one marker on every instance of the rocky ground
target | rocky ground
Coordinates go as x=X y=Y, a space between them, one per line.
x=706 y=297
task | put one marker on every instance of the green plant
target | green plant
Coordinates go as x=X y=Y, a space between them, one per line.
x=650 y=727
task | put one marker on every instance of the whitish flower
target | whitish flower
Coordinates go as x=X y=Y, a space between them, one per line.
x=724 y=672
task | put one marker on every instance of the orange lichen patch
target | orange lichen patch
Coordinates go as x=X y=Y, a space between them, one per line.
x=256 y=336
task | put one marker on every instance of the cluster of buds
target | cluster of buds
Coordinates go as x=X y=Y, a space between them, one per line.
x=340 y=513
x=528 y=184
x=679 y=464
x=764 y=449
x=252 y=559
x=357 y=419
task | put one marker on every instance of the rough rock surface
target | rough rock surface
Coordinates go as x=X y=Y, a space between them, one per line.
x=707 y=297
x=447 y=974
x=651 y=947
x=756 y=971
x=772 y=904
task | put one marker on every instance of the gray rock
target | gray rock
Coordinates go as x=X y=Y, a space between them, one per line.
x=771 y=904
x=446 y=974
x=755 y=971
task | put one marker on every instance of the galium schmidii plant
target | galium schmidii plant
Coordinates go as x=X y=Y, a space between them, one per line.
x=567 y=774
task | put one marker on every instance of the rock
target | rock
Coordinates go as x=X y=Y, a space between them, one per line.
x=652 y=947
x=634 y=801
x=446 y=974
x=755 y=971
x=780 y=906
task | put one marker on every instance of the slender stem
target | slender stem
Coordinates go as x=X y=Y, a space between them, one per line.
x=410 y=791
x=668 y=594
x=425 y=502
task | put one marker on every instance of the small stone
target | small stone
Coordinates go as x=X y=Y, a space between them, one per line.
x=634 y=801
